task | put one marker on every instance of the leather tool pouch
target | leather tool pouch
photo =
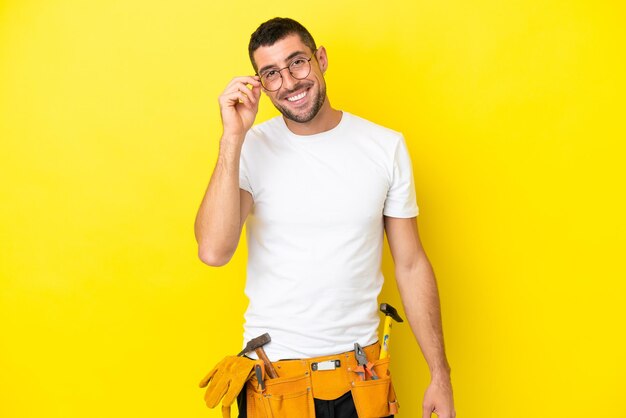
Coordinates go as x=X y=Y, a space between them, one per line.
x=282 y=397
x=375 y=398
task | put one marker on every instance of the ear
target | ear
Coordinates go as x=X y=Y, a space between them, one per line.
x=322 y=58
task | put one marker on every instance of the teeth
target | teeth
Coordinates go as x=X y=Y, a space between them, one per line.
x=298 y=97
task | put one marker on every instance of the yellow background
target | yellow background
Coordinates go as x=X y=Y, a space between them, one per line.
x=514 y=117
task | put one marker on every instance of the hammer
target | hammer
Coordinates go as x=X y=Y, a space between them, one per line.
x=256 y=345
x=390 y=313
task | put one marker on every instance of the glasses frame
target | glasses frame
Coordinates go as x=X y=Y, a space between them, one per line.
x=290 y=73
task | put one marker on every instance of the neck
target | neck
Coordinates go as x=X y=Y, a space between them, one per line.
x=325 y=120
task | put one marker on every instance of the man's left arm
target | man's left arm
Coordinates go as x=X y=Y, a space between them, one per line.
x=420 y=298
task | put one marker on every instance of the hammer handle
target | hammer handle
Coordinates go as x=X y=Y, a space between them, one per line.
x=269 y=369
x=384 y=349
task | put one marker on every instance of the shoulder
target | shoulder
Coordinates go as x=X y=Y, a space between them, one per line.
x=263 y=135
x=378 y=136
x=270 y=127
x=371 y=129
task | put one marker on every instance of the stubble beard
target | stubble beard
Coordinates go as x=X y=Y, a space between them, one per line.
x=318 y=102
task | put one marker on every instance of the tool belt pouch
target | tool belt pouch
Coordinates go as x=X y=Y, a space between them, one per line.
x=282 y=397
x=226 y=380
x=375 y=398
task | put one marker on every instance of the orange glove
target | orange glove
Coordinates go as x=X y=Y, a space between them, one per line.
x=226 y=380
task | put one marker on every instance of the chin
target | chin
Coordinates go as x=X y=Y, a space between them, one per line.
x=304 y=115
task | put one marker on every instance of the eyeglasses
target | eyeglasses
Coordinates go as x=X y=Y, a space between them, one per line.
x=299 y=68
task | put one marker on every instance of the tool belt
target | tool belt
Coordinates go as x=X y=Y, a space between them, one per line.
x=300 y=381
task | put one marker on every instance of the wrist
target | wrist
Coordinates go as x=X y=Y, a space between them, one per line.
x=441 y=373
x=231 y=141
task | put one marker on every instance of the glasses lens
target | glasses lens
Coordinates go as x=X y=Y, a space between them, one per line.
x=272 y=80
x=300 y=68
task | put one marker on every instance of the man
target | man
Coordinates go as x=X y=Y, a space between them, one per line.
x=317 y=187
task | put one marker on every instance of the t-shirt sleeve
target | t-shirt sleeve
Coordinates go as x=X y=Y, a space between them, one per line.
x=401 y=201
x=244 y=179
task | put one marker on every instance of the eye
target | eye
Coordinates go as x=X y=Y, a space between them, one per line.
x=270 y=74
x=298 y=62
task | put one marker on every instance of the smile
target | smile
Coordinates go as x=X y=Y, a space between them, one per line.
x=297 y=97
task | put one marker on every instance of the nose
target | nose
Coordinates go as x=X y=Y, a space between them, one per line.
x=288 y=80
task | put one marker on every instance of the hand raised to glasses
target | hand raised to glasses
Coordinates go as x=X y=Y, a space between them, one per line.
x=239 y=105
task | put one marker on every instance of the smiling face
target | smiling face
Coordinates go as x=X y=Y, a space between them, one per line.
x=298 y=100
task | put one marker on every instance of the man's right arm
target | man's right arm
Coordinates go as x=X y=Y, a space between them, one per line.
x=225 y=206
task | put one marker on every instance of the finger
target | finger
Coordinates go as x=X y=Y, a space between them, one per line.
x=251 y=80
x=445 y=414
x=250 y=94
x=244 y=91
x=229 y=99
x=256 y=91
x=248 y=103
x=234 y=98
x=426 y=411
x=245 y=100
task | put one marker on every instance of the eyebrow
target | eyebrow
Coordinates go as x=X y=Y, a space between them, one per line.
x=290 y=57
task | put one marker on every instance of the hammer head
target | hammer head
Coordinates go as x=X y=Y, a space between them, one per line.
x=389 y=310
x=255 y=343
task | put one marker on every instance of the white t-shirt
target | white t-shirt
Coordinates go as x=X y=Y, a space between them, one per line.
x=315 y=232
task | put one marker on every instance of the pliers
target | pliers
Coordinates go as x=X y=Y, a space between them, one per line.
x=365 y=368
